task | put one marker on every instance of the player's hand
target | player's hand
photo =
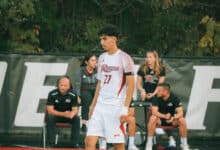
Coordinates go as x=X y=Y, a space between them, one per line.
x=149 y=95
x=123 y=118
x=167 y=116
x=170 y=120
x=72 y=114
x=67 y=114
x=143 y=95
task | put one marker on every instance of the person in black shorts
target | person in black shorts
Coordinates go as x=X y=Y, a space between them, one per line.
x=86 y=84
x=167 y=111
x=62 y=106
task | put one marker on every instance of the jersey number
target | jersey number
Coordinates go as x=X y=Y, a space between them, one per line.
x=107 y=79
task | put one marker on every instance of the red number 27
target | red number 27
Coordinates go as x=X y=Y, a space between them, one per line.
x=107 y=79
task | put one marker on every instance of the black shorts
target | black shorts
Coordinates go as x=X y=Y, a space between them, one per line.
x=164 y=123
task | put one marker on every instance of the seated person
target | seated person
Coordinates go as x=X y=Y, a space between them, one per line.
x=166 y=111
x=130 y=120
x=62 y=106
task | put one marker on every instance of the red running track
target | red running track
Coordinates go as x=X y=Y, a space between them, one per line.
x=35 y=148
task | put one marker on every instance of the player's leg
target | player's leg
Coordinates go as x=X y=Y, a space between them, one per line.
x=95 y=128
x=181 y=122
x=119 y=146
x=115 y=130
x=51 y=129
x=153 y=122
x=130 y=119
x=90 y=142
x=75 y=133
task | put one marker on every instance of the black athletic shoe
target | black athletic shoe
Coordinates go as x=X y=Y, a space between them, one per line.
x=84 y=129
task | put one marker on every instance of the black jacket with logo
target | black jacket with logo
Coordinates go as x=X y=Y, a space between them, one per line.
x=62 y=102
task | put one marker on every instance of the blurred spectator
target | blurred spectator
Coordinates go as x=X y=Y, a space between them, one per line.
x=86 y=84
x=149 y=75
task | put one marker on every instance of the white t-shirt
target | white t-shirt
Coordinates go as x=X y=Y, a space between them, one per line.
x=112 y=71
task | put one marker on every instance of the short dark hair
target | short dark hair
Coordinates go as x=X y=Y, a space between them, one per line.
x=110 y=30
x=165 y=85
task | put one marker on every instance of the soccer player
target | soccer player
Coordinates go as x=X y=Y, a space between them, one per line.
x=113 y=94
x=62 y=106
x=166 y=111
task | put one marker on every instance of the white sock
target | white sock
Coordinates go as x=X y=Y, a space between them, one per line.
x=183 y=141
x=171 y=138
x=149 y=140
x=131 y=140
x=102 y=143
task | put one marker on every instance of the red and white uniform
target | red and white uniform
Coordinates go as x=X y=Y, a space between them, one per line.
x=112 y=71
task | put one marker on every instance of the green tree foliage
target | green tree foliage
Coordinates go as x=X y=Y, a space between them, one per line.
x=66 y=26
x=17 y=30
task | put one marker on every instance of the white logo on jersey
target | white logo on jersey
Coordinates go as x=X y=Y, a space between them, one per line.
x=107 y=68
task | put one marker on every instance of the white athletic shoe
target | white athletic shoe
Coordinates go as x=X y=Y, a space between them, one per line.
x=149 y=146
x=184 y=146
x=159 y=131
x=172 y=142
x=133 y=147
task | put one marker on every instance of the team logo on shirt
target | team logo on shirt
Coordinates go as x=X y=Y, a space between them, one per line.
x=170 y=104
x=107 y=68
x=68 y=100
x=148 y=78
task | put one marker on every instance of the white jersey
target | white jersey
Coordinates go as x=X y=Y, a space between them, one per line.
x=112 y=69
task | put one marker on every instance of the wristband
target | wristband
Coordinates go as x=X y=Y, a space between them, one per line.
x=124 y=110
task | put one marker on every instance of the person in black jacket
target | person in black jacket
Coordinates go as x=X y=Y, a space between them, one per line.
x=62 y=106
x=86 y=84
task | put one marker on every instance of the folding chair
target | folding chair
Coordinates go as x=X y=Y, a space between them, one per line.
x=57 y=125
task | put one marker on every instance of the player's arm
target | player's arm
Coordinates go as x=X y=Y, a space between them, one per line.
x=179 y=113
x=52 y=111
x=50 y=107
x=140 y=88
x=130 y=89
x=155 y=112
x=74 y=111
x=75 y=107
x=161 y=80
x=139 y=83
x=94 y=101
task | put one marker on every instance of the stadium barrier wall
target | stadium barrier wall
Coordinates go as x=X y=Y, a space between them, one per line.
x=25 y=81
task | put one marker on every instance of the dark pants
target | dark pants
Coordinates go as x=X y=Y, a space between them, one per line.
x=86 y=97
x=51 y=120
